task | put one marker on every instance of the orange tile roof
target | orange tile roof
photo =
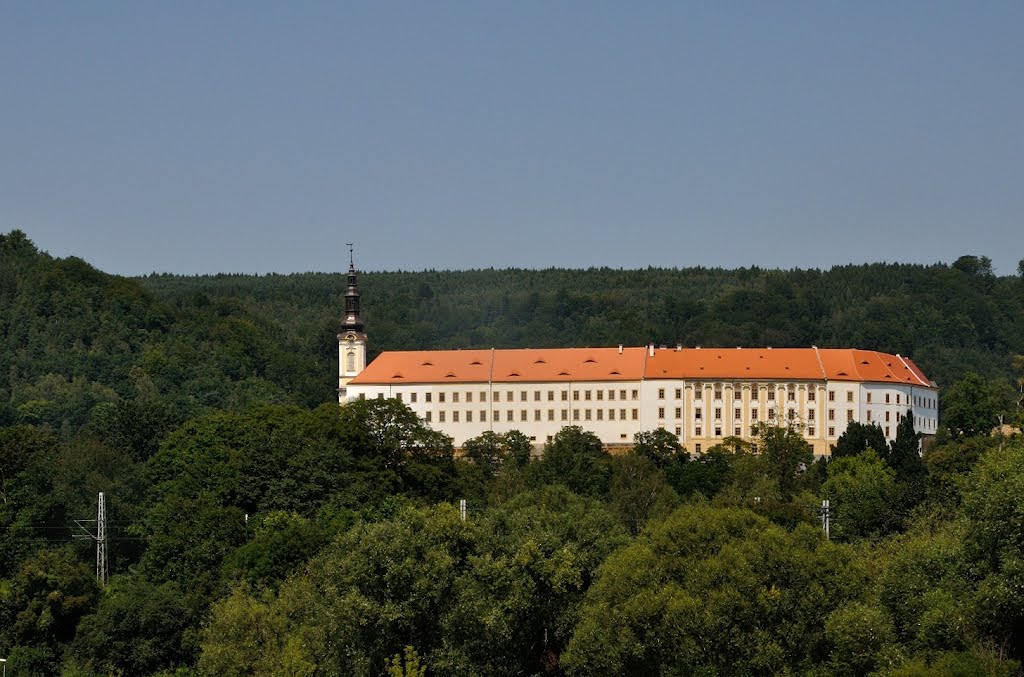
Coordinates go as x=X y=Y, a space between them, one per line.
x=632 y=364
x=916 y=370
x=569 y=364
x=505 y=366
x=734 y=363
x=869 y=365
x=428 y=366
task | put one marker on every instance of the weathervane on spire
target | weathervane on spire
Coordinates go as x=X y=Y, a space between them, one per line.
x=351 y=264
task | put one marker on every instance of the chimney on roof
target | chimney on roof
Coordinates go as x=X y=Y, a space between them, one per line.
x=679 y=347
x=650 y=350
x=620 y=349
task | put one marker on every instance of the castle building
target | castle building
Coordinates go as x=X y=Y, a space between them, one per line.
x=701 y=395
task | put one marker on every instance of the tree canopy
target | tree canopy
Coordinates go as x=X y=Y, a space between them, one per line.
x=256 y=527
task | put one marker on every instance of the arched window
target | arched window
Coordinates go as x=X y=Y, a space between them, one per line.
x=350 y=361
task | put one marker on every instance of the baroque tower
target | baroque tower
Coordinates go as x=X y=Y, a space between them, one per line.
x=351 y=340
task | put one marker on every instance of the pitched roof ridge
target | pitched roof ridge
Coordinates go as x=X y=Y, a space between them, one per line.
x=910 y=369
x=821 y=365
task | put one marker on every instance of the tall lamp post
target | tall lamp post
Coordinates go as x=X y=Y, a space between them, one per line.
x=4 y=661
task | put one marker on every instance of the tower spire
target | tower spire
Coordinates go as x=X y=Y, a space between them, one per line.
x=351 y=340
x=353 y=322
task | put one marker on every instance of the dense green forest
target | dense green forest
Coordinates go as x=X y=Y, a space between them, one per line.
x=256 y=528
x=951 y=319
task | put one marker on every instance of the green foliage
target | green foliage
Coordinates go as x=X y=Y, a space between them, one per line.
x=862 y=639
x=1018 y=368
x=284 y=467
x=406 y=665
x=924 y=589
x=575 y=458
x=475 y=597
x=786 y=453
x=905 y=459
x=188 y=539
x=949 y=321
x=249 y=635
x=72 y=338
x=705 y=475
x=957 y=664
x=958 y=587
x=862 y=490
x=974 y=266
x=973 y=405
x=27 y=497
x=858 y=438
x=659 y=446
x=134 y=427
x=775 y=480
x=948 y=462
x=282 y=542
x=492 y=451
x=138 y=628
x=712 y=590
x=639 y=491
x=539 y=556
x=994 y=541
x=177 y=398
x=49 y=594
x=391 y=434
x=34 y=661
x=904 y=452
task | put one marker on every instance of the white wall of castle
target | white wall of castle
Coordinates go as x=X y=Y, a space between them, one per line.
x=700 y=413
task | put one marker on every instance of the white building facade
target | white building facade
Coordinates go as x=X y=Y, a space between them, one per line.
x=701 y=395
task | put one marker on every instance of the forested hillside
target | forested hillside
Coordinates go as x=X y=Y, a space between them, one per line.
x=72 y=337
x=257 y=528
x=950 y=318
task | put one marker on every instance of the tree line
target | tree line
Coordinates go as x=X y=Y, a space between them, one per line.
x=329 y=541
x=258 y=528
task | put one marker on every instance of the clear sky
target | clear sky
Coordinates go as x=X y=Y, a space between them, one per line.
x=203 y=137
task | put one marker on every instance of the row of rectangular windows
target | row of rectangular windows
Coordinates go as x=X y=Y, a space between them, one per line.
x=698 y=412
x=698 y=393
x=587 y=415
x=698 y=431
x=589 y=395
x=524 y=395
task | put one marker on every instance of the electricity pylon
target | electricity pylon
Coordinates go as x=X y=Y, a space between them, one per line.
x=100 y=537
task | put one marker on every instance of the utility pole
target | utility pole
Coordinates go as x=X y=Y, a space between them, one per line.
x=101 y=541
x=100 y=537
x=825 y=518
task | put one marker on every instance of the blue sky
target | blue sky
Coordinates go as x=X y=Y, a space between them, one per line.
x=261 y=137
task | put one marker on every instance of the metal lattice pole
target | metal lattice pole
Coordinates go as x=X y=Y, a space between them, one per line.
x=100 y=537
x=101 y=542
